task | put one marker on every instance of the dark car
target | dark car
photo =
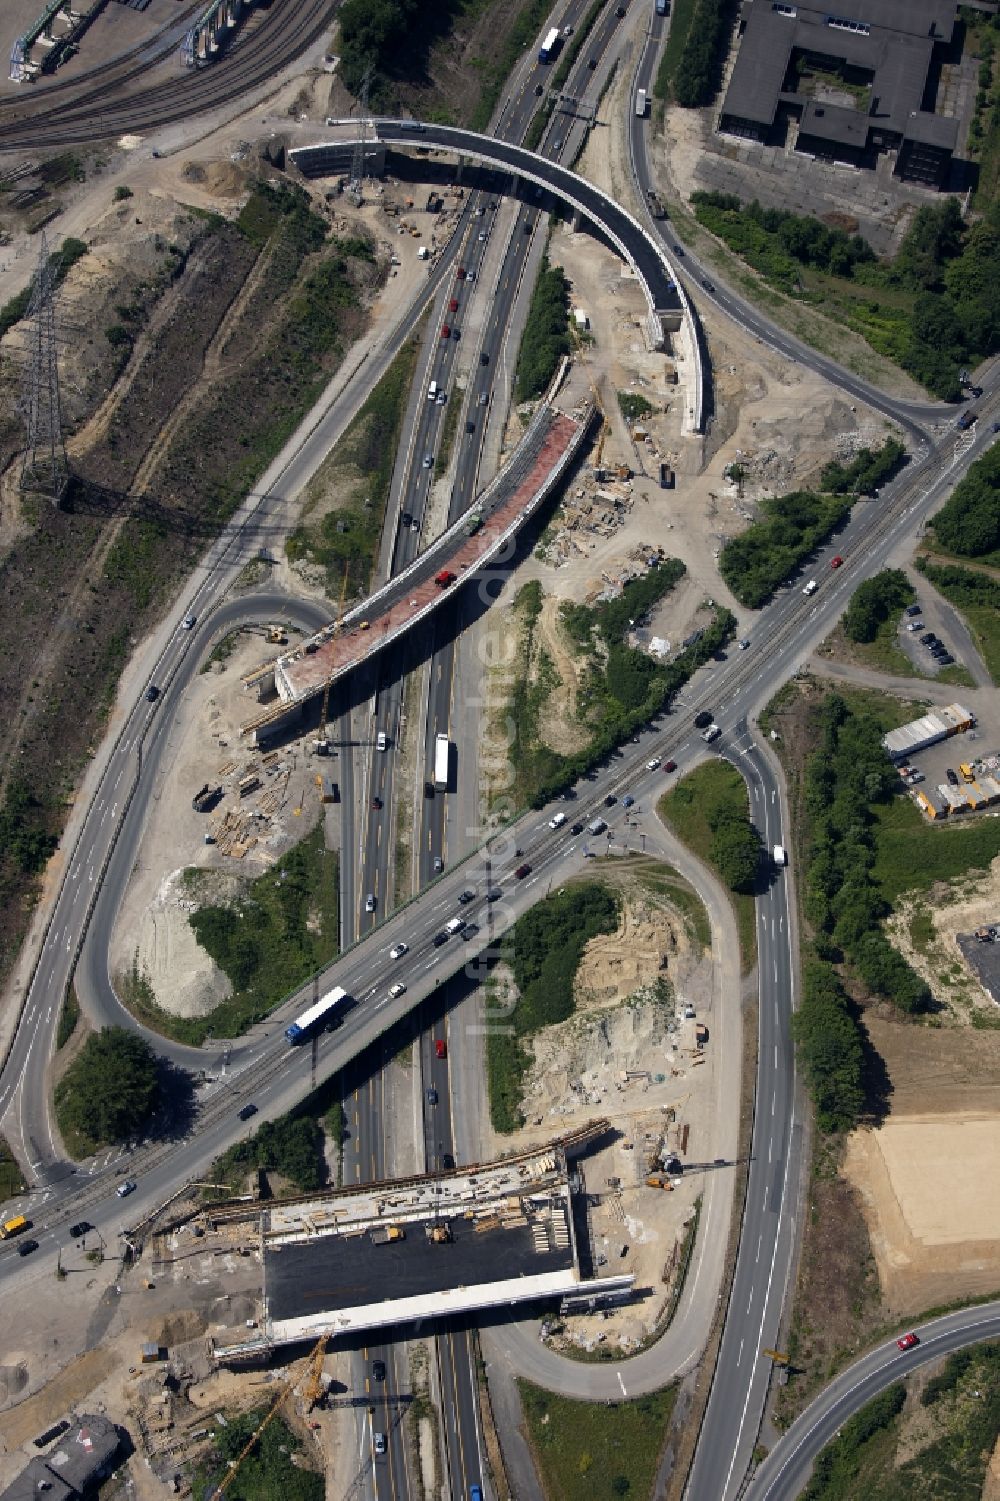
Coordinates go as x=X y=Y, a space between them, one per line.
x=406 y=518
x=439 y=939
x=628 y=802
x=610 y=800
x=708 y=287
x=702 y=720
x=432 y=1096
x=927 y=639
x=538 y=91
x=946 y=659
x=620 y=11
x=378 y=1370
x=522 y=871
x=494 y=894
x=976 y=391
x=952 y=776
x=592 y=63
x=152 y=693
x=912 y=610
x=448 y=1162
x=247 y=1111
x=679 y=250
x=484 y=358
x=376 y=804
x=26 y=1247
x=576 y=828
x=465 y=897
x=670 y=766
x=80 y=1228
x=470 y=427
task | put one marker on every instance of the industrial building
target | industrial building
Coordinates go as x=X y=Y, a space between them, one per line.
x=385 y=1254
x=83 y=1453
x=873 y=67
x=928 y=730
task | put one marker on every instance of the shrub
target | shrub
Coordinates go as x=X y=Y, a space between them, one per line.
x=874 y=601
x=546 y=335
x=791 y=527
x=122 y=193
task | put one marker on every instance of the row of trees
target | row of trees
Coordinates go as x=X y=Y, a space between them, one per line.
x=805 y=239
x=829 y=1047
x=867 y=471
x=844 y=778
x=546 y=335
x=790 y=528
x=699 y=71
x=969 y=522
x=876 y=601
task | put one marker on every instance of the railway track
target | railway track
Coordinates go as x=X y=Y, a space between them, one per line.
x=255 y=56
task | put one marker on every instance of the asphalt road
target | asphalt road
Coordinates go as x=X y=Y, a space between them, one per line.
x=786 y=1470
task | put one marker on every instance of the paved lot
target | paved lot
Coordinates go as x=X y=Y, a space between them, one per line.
x=984 y=961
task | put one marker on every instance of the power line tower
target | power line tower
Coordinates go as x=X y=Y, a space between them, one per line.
x=45 y=470
x=356 y=189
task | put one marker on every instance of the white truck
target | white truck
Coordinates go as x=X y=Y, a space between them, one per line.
x=442 y=753
x=557 y=821
x=780 y=855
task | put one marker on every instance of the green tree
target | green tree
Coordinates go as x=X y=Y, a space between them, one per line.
x=828 y=1043
x=109 y=1093
x=874 y=601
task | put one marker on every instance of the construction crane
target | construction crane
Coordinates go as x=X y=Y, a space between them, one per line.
x=311 y=1391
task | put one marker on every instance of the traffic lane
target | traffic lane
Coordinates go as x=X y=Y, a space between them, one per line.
x=786 y=1469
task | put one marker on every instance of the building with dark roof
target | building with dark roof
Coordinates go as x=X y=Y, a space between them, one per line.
x=880 y=53
x=74 y=1467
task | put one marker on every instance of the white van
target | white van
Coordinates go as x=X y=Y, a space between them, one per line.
x=780 y=854
x=432 y=391
x=381 y=743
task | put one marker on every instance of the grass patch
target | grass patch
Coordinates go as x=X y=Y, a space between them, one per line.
x=358 y=470
x=69 y=1015
x=634 y=407
x=675 y=890
x=911 y=855
x=604 y=1451
x=884 y=654
x=922 y=930
x=681 y=16
x=495 y=72
x=544 y=949
x=11 y=1178
x=282 y=929
x=448 y=429
x=274 y=1466
x=707 y=794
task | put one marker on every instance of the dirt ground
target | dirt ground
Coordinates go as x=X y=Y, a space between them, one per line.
x=962 y=909
x=152 y=925
x=631 y=1052
x=921 y=1176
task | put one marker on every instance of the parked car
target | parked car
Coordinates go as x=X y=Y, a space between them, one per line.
x=912 y=610
x=915 y=625
x=946 y=659
x=80 y=1228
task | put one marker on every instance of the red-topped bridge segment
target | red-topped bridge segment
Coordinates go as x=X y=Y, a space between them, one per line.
x=479 y=538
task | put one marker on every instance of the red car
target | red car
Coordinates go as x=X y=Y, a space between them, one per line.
x=453 y=305
x=376 y=803
x=837 y=562
x=670 y=766
x=440 y=1048
x=461 y=273
x=445 y=331
x=907 y=1341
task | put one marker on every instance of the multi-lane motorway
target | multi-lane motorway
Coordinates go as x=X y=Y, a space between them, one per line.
x=781 y=637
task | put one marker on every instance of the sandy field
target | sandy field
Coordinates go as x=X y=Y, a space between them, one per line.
x=925 y=1176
